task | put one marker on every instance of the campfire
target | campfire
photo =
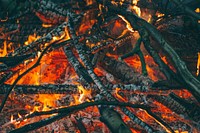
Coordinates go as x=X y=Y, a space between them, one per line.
x=95 y=66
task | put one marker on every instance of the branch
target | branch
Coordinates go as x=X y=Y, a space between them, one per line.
x=62 y=112
x=186 y=9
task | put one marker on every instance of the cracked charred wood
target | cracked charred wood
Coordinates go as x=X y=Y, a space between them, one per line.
x=170 y=103
x=113 y=120
x=41 y=89
x=80 y=70
x=124 y=72
x=192 y=109
x=65 y=111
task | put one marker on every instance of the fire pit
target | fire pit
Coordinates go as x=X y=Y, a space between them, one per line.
x=100 y=66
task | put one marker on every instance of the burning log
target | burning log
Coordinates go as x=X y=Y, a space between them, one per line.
x=123 y=72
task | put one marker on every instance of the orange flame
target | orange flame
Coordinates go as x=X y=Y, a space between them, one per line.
x=4 y=51
x=31 y=38
x=136 y=8
x=198 y=64
x=128 y=25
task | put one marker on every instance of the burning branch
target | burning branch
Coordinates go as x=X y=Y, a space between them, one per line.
x=63 y=112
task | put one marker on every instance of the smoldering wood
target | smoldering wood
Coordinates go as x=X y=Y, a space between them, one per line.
x=36 y=125
x=5 y=76
x=170 y=103
x=41 y=89
x=68 y=110
x=59 y=31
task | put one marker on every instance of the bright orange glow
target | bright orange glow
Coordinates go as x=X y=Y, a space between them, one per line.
x=47 y=100
x=98 y=72
x=46 y=25
x=119 y=96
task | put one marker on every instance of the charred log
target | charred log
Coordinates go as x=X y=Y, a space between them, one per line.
x=123 y=72
x=114 y=121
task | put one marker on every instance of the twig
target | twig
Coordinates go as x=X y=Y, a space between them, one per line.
x=186 y=9
x=137 y=50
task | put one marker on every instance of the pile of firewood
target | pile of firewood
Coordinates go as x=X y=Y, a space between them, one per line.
x=87 y=49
